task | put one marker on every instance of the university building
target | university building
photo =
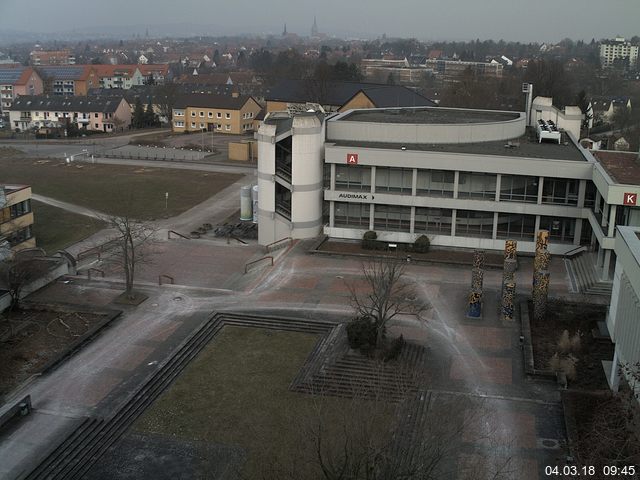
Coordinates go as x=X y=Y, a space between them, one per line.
x=465 y=178
x=16 y=217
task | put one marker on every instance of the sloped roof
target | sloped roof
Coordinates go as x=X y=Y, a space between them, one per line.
x=623 y=167
x=11 y=75
x=206 y=100
x=66 y=104
x=114 y=70
x=65 y=72
x=149 y=68
x=339 y=93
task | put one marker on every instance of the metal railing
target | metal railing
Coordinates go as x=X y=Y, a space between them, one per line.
x=574 y=251
x=176 y=233
x=251 y=264
x=168 y=277
x=273 y=246
x=101 y=272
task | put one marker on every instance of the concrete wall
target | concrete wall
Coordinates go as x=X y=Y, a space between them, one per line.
x=398 y=133
x=570 y=119
x=243 y=151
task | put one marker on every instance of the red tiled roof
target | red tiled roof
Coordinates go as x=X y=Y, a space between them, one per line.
x=623 y=167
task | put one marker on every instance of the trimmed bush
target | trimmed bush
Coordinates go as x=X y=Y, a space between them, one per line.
x=422 y=244
x=361 y=334
x=369 y=241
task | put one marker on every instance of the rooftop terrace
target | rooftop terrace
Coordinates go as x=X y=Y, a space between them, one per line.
x=435 y=116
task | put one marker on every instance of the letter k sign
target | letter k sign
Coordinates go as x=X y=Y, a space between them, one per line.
x=630 y=199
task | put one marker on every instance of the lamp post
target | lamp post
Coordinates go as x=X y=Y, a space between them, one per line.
x=202 y=140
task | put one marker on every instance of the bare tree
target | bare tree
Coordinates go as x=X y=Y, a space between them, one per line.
x=18 y=272
x=165 y=96
x=387 y=295
x=132 y=239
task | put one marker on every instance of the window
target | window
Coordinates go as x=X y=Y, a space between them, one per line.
x=202 y=125
x=472 y=223
x=390 y=179
x=95 y=115
x=433 y=220
x=227 y=116
x=218 y=115
x=19 y=209
x=477 y=185
x=210 y=114
x=353 y=177
x=179 y=113
x=250 y=114
x=193 y=124
x=519 y=188
x=202 y=114
x=560 y=229
x=96 y=125
x=516 y=226
x=227 y=127
x=392 y=217
x=179 y=124
x=193 y=114
x=560 y=191
x=435 y=183
x=20 y=236
x=351 y=215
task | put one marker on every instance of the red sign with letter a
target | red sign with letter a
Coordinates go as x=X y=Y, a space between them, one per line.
x=630 y=199
x=352 y=158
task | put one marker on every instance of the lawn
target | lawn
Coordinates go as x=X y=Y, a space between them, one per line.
x=56 y=229
x=117 y=189
x=236 y=393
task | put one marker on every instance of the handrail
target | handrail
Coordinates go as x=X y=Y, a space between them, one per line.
x=275 y=245
x=570 y=253
x=170 y=278
x=97 y=250
x=247 y=265
x=101 y=272
x=176 y=233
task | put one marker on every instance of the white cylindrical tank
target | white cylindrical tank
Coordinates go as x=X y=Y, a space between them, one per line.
x=254 y=202
x=246 y=212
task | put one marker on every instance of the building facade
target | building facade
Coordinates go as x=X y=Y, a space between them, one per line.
x=465 y=178
x=232 y=114
x=15 y=81
x=618 y=50
x=69 y=79
x=16 y=217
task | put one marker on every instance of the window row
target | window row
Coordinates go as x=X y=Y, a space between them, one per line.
x=19 y=236
x=438 y=221
x=210 y=114
x=441 y=183
x=14 y=211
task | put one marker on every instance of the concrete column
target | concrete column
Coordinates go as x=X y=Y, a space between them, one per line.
x=614 y=374
x=605 y=215
x=372 y=212
x=454 y=214
x=332 y=180
x=578 y=232
x=498 y=186
x=373 y=182
x=605 y=265
x=332 y=214
x=600 y=256
x=456 y=180
x=412 y=221
x=494 y=233
x=596 y=205
x=540 y=187
x=612 y=220
x=537 y=226
x=414 y=183
x=582 y=191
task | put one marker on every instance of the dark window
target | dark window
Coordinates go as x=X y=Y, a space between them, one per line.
x=519 y=188
x=433 y=220
x=516 y=226
x=392 y=217
x=435 y=183
x=472 y=223
x=351 y=215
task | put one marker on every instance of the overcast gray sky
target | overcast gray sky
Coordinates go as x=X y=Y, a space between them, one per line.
x=523 y=20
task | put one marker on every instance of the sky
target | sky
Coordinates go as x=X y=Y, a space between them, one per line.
x=512 y=20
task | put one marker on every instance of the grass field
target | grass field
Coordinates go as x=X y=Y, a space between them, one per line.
x=236 y=393
x=55 y=229
x=117 y=189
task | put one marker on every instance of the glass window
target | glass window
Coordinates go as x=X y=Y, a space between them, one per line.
x=351 y=215
x=227 y=116
x=392 y=217
x=353 y=177
x=473 y=223
x=516 y=226
x=396 y=180
x=435 y=183
x=560 y=229
x=519 y=188
x=477 y=185
x=433 y=220
x=560 y=191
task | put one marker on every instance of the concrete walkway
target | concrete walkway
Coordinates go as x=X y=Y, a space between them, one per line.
x=70 y=207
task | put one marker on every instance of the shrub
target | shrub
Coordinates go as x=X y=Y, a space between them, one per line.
x=361 y=334
x=422 y=244
x=394 y=348
x=369 y=241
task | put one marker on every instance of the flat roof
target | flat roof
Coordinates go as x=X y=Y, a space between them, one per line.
x=427 y=115
x=526 y=146
x=622 y=167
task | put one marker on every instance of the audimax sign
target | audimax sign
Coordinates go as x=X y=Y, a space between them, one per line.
x=356 y=196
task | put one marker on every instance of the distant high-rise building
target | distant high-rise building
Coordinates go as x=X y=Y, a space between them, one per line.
x=314 y=28
x=618 y=49
x=284 y=32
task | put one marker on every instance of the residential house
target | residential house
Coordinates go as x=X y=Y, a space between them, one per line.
x=16 y=217
x=90 y=113
x=68 y=80
x=52 y=57
x=155 y=74
x=17 y=80
x=605 y=107
x=118 y=76
x=233 y=114
x=338 y=96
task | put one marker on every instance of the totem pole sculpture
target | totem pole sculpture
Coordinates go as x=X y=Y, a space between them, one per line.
x=477 y=278
x=509 y=279
x=541 y=262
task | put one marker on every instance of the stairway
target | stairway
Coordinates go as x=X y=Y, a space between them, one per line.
x=582 y=269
